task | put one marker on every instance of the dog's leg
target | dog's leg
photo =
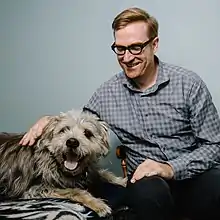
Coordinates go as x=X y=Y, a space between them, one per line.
x=112 y=178
x=83 y=197
x=37 y=191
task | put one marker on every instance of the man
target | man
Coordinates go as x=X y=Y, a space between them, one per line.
x=165 y=117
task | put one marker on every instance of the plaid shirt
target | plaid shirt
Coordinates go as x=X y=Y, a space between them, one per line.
x=174 y=122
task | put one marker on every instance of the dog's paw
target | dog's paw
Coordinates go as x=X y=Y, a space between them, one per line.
x=121 y=181
x=104 y=211
x=112 y=178
x=101 y=208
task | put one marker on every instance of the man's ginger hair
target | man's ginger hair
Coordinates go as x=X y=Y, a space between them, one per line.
x=132 y=15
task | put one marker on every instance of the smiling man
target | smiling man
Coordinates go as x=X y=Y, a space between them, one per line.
x=164 y=116
x=135 y=49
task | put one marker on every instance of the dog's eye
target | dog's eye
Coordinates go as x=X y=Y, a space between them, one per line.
x=88 y=133
x=64 y=129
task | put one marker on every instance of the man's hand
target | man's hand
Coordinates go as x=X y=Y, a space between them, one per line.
x=35 y=131
x=152 y=168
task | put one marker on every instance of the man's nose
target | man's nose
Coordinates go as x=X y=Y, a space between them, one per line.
x=128 y=56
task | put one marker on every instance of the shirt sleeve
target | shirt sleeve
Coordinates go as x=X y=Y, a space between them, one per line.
x=93 y=105
x=205 y=124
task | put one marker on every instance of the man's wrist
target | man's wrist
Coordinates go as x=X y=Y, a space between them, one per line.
x=169 y=170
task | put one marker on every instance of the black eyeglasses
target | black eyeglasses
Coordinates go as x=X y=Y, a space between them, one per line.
x=134 y=49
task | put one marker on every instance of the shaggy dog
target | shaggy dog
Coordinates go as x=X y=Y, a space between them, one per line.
x=62 y=163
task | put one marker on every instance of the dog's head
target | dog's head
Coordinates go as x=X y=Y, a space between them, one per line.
x=75 y=139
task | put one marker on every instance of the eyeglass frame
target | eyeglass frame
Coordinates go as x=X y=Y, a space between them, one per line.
x=141 y=45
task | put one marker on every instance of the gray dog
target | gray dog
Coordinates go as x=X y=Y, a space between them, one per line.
x=62 y=163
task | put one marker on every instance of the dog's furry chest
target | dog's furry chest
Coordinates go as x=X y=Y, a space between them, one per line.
x=88 y=180
x=81 y=181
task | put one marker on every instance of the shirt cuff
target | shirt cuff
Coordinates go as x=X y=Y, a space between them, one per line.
x=179 y=168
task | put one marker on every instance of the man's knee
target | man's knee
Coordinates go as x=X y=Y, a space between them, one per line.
x=150 y=196
x=202 y=200
x=209 y=184
x=150 y=189
x=206 y=186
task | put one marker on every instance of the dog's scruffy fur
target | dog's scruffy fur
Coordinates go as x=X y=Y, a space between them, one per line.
x=62 y=163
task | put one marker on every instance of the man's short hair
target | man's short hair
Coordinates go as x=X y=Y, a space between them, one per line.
x=131 y=15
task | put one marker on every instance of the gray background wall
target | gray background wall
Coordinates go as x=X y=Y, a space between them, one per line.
x=54 y=54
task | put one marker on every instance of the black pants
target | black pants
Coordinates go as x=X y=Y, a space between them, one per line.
x=113 y=195
x=153 y=198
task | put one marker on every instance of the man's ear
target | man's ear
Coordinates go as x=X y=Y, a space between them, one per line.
x=155 y=44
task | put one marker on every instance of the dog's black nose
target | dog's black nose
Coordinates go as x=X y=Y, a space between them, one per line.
x=72 y=142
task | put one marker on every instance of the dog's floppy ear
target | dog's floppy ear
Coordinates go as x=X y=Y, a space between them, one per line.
x=104 y=129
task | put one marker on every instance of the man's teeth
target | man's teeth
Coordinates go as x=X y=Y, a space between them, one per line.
x=132 y=65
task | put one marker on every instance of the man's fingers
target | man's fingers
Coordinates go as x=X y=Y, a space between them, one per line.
x=29 y=138
x=39 y=132
x=31 y=142
x=133 y=179
x=152 y=173
x=137 y=177
x=23 y=140
x=139 y=174
x=35 y=132
x=26 y=139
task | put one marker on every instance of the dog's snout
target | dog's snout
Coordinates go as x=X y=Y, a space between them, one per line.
x=72 y=142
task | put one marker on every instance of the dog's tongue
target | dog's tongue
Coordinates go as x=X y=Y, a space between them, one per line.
x=70 y=165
